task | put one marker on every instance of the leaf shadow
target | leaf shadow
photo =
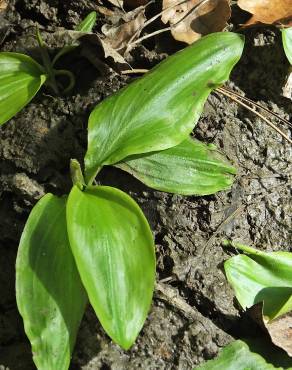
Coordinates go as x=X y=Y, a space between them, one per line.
x=273 y=298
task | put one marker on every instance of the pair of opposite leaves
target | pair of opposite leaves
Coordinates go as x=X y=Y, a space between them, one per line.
x=109 y=237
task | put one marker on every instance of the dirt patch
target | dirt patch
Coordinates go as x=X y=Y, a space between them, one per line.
x=35 y=149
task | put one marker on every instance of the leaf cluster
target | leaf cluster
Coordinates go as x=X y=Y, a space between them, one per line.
x=96 y=243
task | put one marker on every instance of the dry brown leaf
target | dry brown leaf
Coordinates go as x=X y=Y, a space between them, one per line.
x=192 y=19
x=128 y=3
x=119 y=34
x=3 y=5
x=68 y=37
x=117 y=3
x=280 y=331
x=268 y=11
x=287 y=88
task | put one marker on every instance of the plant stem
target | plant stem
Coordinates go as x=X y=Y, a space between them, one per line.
x=92 y=178
x=47 y=63
x=65 y=72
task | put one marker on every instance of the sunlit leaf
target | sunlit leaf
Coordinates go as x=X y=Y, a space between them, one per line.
x=114 y=252
x=190 y=168
x=20 y=79
x=287 y=42
x=49 y=292
x=87 y=24
x=237 y=356
x=261 y=277
x=159 y=110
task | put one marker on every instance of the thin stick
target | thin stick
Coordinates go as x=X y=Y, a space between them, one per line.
x=172 y=297
x=133 y=71
x=229 y=95
x=257 y=105
x=153 y=19
x=151 y=35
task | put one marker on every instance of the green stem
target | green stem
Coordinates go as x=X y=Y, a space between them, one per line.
x=92 y=177
x=71 y=77
x=47 y=63
x=243 y=248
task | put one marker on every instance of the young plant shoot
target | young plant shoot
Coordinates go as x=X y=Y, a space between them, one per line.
x=21 y=76
x=102 y=244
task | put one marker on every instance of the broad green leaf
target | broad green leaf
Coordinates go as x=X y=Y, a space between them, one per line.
x=237 y=356
x=287 y=42
x=84 y=26
x=49 y=292
x=261 y=277
x=190 y=168
x=20 y=79
x=159 y=110
x=114 y=252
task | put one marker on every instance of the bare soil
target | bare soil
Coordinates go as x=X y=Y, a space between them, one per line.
x=35 y=149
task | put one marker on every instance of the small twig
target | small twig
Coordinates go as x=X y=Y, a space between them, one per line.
x=221 y=226
x=149 y=21
x=133 y=71
x=257 y=105
x=197 y=6
x=172 y=297
x=237 y=100
x=151 y=35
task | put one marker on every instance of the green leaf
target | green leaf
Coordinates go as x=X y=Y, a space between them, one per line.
x=49 y=292
x=20 y=79
x=237 y=356
x=287 y=42
x=190 y=168
x=87 y=24
x=84 y=26
x=261 y=277
x=114 y=252
x=159 y=110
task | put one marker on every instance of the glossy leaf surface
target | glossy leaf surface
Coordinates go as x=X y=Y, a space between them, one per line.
x=190 y=168
x=287 y=42
x=237 y=356
x=20 y=79
x=49 y=292
x=261 y=277
x=159 y=110
x=114 y=252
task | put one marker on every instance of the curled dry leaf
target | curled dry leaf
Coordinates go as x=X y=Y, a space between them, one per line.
x=268 y=11
x=279 y=329
x=191 y=19
x=117 y=3
x=86 y=40
x=124 y=28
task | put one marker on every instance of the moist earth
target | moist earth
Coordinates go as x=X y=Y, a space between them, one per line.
x=194 y=312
